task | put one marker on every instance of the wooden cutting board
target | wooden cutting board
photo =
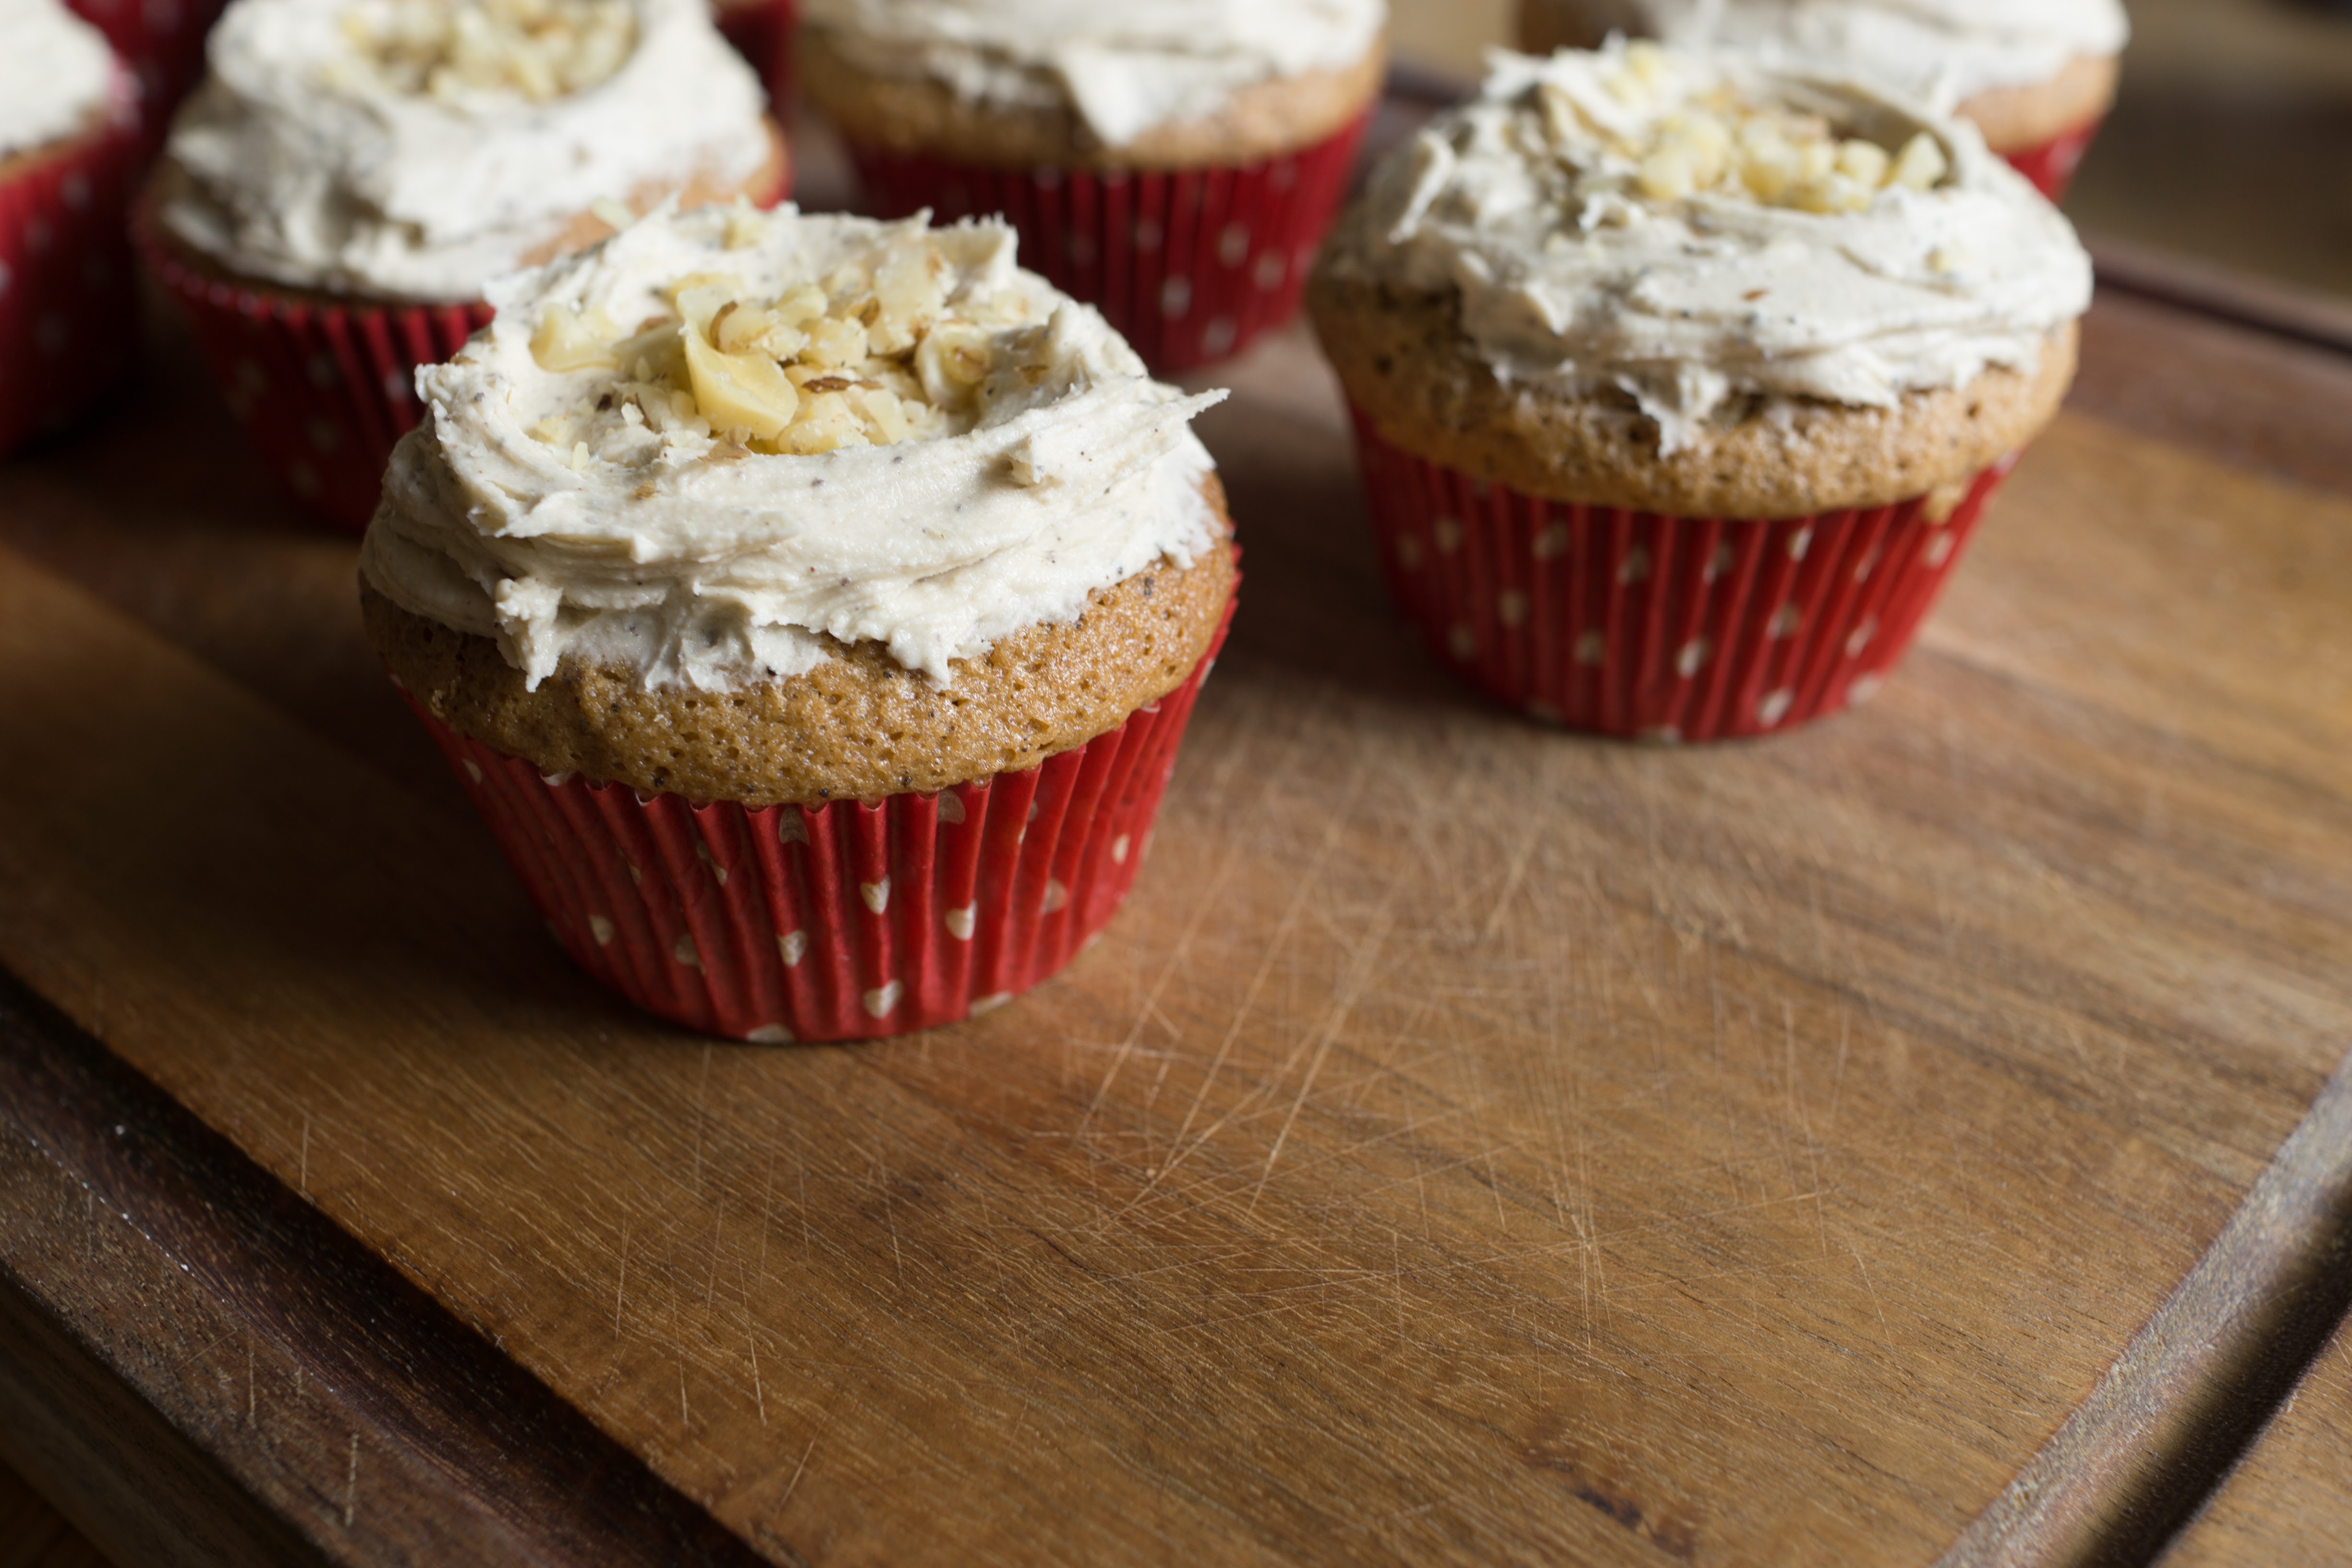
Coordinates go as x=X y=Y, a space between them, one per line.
x=2292 y=1501
x=1472 y=1142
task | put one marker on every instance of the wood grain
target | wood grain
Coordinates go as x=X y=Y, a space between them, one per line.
x=2263 y=402
x=205 y=1371
x=1473 y=1143
x=2195 y=1385
x=2290 y=1500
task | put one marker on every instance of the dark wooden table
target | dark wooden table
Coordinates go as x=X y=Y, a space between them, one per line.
x=1875 y=1145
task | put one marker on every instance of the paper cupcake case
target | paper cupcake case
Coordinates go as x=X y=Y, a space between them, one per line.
x=1187 y=265
x=2052 y=165
x=322 y=391
x=761 y=32
x=849 y=920
x=1665 y=628
x=68 y=302
x=162 y=41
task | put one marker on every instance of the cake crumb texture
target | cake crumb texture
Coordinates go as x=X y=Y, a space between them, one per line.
x=859 y=726
x=1405 y=363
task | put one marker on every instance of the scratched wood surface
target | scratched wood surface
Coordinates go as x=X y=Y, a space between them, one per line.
x=1471 y=1141
x=2290 y=1500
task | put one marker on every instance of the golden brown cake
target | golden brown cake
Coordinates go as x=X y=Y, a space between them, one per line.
x=1679 y=379
x=802 y=436
x=1711 y=345
x=856 y=727
x=1408 y=367
x=812 y=606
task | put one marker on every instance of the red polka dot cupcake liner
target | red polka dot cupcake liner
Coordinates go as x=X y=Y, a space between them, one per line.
x=163 y=42
x=68 y=300
x=2052 y=165
x=1653 y=627
x=1188 y=265
x=321 y=390
x=761 y=32
x=844 y=922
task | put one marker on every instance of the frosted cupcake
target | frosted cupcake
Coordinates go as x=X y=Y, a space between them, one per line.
x=1679 y=381
x=336 y=194
x=812 y=605
x=69 y=122
x=1174 y=161
x=2035 y=76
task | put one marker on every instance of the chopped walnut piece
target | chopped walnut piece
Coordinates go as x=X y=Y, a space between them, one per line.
x=1723 y=143
x=876 y=354
x=449 y=49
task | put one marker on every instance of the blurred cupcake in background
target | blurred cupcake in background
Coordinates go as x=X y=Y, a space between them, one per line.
x=761 y=32
x=812 y=607
x=2036 y=77
x=1679 y=381
x=69 y=134
x=163 y=42
x=1173 y=161
x=351 y=172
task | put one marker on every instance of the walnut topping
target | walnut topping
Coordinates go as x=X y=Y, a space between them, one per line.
x=1726 y=145
x=873 y=355
x=451 y=49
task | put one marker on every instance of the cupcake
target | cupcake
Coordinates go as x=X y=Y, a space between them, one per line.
x=163 y=42
x=1679 y=381
x=2035 y=76
x=812 y=607
x=1174 y=161
x=68 y=128
x=353 y=172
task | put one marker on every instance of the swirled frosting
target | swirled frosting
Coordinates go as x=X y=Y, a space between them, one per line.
x=1695 y=230
x=311 y=161
x=1125 y=69
x=1940 y=51
x=55 y=73
x=964 y=452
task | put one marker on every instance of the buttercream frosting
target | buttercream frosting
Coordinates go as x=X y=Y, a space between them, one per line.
x=1125 y=69
x=310 y=162
x=592 y=512
x=1634 y=219
x=55 y=75
x=1941 y=52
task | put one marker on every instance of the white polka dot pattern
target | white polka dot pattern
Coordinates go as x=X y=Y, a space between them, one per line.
x=1631 y=624
x=321 y=394
x=841 y=921
x=1191 y=265
x=67 y=312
